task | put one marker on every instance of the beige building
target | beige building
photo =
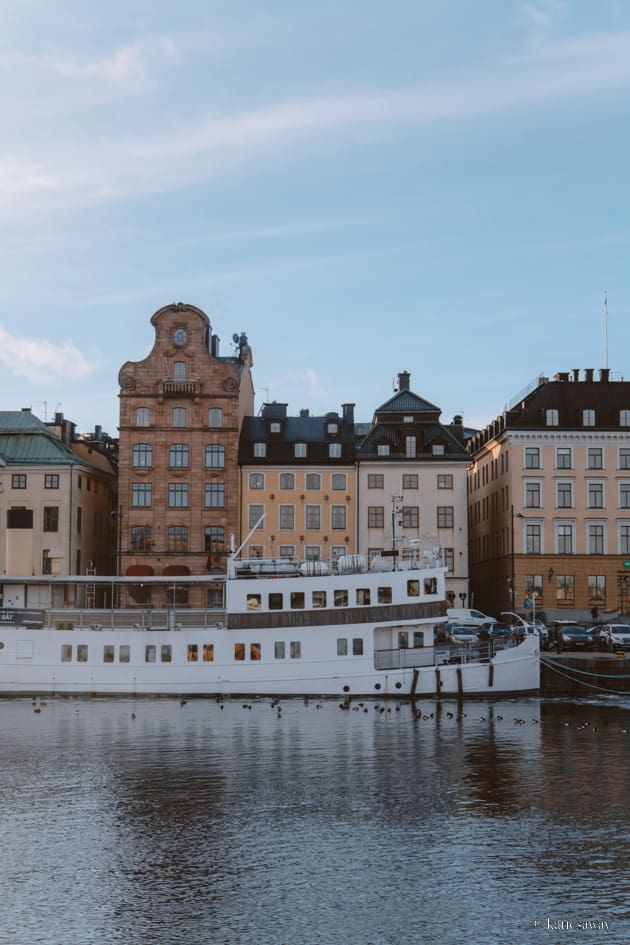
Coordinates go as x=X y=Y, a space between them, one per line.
x=549 y=500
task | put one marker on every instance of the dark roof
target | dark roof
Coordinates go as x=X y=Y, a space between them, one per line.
x=405 y=401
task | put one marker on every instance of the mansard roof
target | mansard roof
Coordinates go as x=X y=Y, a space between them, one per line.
x=406 y=402
x=24 y=439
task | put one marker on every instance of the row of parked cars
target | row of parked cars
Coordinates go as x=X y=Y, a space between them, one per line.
x=466 y=625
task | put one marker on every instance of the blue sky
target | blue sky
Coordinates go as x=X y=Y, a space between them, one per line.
x=363 y=187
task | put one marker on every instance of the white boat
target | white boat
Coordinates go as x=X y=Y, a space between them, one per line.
x=287 y=629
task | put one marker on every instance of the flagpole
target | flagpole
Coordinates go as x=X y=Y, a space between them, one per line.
x=606 y=328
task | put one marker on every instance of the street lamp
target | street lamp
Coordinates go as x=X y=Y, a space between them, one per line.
x=513 y=576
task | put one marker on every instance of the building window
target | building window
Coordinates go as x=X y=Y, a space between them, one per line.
x=445 y=516
x=178 y=495
x=588 y=418
x=142 y=455
x=46 y=561
x=596 y=587
x=332 y=429
x=215 y=456
x=382 y=449
x=287 y=481
x=18 y=481
x=532 y=495
x=141 y=495
x=178 y=455
x=595 y=539
x=256 y=481
x=178 y=416
x=313 y=517
x=51 y=518
x=438 y=449
x=534 y=585
x=260 y=450
x=51 y=481
x=624 y=495
x=286 y=551
x=338 y=517
x=564 y=495
x=410 y=481
x=533 y=539
x=334 y=450
x=143 y=417
x=256 y=552
x=410 y=516
x=286 y=517
x=594 y=458
x=448 y=555
x=532 y=457
x=140 y=539
x=595 y=497
x=376 y=516
x=551 y=418
x=177 y=538
x=214 y=538
x=624 y=458
x=299 y=450
x=312 y=553
x=624 y=418
x=445 y=481
x=275 y=427
x=179 y=370
x=375 y=480
x=565 y=588
x=564 y=539
x=79 y=525
x=339 y=482
x=563 y=457
x=254 y=514
x=215 y=417
x=410 y=447
x=313 y=481
x=214 y=495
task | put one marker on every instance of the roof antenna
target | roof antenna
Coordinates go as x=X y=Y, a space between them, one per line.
x=606 y=327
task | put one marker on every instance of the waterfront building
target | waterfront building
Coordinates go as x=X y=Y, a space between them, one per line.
x=181 y=411
x=57 y=493
x=411 y=485
x=298 y=483
x=549 y=500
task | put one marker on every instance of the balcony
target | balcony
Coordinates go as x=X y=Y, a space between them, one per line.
x=180 y=388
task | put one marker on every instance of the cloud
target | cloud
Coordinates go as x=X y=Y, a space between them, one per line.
x=37 y=359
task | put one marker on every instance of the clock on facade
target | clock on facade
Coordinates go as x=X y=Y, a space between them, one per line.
x=180 y=336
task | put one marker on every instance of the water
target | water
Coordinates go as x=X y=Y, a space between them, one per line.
x=192 y=824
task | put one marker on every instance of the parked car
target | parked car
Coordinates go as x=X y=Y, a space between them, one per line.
x=573 y=637
x=464 y=635
x=500 y=631
x=614 y=636
x=466 y=617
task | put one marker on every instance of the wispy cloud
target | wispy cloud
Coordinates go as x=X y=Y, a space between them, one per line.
x=39 y=360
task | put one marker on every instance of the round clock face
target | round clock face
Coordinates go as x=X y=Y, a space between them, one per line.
x=180 y=336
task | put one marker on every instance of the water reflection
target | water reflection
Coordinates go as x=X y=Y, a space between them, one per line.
x=152 y=822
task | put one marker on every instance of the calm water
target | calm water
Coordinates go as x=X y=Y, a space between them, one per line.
x=199 y=824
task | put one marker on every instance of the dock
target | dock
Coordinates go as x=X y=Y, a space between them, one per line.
x=579 y=674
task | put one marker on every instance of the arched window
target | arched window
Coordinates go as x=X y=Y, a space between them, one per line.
x=142 y=454
x=215 y=456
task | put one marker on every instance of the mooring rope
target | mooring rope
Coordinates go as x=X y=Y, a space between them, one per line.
x=553 y=666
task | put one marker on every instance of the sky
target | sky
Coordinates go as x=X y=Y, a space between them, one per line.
x=362 y=187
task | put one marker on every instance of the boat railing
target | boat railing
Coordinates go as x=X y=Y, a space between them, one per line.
x=68 y=618
x=340 y=565
x=452 y=654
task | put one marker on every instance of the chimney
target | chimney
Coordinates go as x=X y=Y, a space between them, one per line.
x=576 y=374
x=403 y=381
x=348 y=413
x=604 y=375
x=562 y=377
x=214 y=345
x=589 y=374
x=304 y=412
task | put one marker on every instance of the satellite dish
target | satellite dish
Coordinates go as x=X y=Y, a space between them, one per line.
x=235 y=338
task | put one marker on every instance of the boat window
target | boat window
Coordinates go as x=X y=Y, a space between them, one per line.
x=66 y=653
x=384 y=595
x=342 y=646
x=278 y=649
x=363 y=595
x=239 y=651
x=254 y=601
x=254 y=651
x=295 y=650
x=357 y=646
x=123 y=653
x=403 y=639
x=418 y=638
x=166 y=653
x=413 y=588
x=430 y=586
x=149 y=653
x=82 y=653
x=108 y=654
x=341 y=598
x=275 y=602
x=297 y=600
x=192 y=654
x=319 y=598
x=208 y=652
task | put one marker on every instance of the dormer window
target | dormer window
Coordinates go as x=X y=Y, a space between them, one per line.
x=588 y=418
x=552 y=418
x=383 y=449
x=438 y=449
x=624 y=418
x=260 y=450
x=275 y=427
x=407 y=419
x=333 y=429
x=299 y=450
